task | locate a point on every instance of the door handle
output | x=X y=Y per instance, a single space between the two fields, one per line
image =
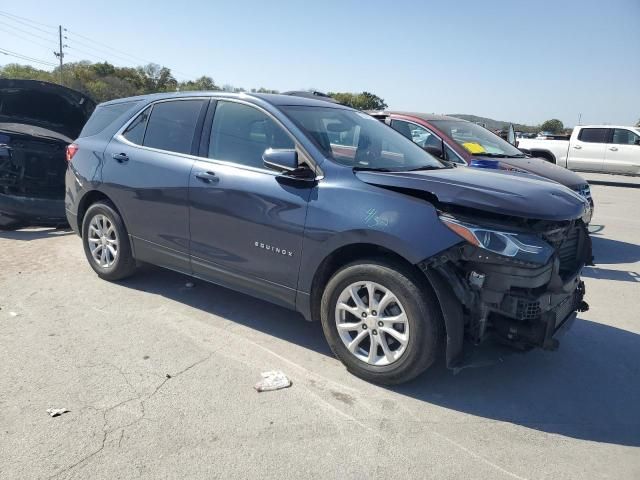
x=577 y=147
x=614 y=149
x=207 y=177
x=120 y=157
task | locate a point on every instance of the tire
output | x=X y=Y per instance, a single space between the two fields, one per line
x=103 y=229
x=422 y=329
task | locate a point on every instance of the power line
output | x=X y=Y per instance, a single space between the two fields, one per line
x=7 y=14
x=101 y=49
x=26 y=32
x=48 y=47
x=25 y=57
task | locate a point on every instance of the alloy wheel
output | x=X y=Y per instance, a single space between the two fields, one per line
x=372 y=323
x=103 y=241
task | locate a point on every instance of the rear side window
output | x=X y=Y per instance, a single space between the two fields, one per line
x=135 y=131
x=172 y=125
x=103 y=116
x=593 y=135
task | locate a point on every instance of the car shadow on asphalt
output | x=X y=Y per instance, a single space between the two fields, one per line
x=609 y=251
x=30 y=234
x=228 y=304
x=588 y=389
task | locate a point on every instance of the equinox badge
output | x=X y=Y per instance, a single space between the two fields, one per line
x=271 y=248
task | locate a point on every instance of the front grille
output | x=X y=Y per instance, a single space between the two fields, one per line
x=528 y=310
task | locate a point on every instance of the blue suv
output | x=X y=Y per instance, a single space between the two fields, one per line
x=325 y=210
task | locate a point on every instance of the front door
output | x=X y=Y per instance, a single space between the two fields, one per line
x=587 y=152
x=247 y=223
x=146 y=172
x=623 y=152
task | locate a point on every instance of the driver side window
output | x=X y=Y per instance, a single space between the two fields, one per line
x=240 y=134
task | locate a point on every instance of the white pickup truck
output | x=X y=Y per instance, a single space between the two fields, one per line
x=593 y=148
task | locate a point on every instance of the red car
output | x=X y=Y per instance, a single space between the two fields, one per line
x=466 y=143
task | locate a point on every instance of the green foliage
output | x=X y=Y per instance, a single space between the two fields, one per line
x=202 y=84
x=360 y=101
x=104 y=81
x=554 y=126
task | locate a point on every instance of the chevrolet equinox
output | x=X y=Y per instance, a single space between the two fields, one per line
x=327 y=211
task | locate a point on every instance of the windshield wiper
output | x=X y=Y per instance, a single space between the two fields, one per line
x=426 y=167
x=372 y=169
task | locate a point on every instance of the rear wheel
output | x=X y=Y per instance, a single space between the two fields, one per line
x=382 y=321
x=106 y=242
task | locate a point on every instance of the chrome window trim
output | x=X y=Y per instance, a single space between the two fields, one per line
x=301 y=150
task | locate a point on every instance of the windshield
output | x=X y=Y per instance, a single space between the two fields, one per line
x=476 y=139
x=358 y=140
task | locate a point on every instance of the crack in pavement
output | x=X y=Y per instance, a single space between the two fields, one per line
x=106 y=431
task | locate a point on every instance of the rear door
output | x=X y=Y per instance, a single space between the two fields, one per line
x=247 y=222
x=587 y=151
x=146 y=171
x=623 y=152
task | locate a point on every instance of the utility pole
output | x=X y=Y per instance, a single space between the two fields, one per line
x=60 y=53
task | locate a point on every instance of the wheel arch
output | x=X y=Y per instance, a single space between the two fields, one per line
x=545 y=154
x=88 y=199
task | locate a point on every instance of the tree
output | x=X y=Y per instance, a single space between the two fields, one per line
x=554 y=126
x=203 y=83
x=638 y=123
x=360 y=101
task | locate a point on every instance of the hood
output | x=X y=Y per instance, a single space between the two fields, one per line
x=44 y=105
x=504 y=193
x=537 y=166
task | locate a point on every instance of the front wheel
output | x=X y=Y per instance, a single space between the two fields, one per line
x=106 y=242
x=382 y=321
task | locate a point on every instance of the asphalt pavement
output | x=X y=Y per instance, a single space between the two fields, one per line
x=159 y=378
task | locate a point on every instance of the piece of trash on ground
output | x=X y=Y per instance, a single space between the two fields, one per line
x=54 y=412
x=273 y=380
x=13 y=314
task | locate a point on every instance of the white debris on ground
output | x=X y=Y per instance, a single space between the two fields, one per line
x=272 y=380
x=13 y=314
x=54 y=412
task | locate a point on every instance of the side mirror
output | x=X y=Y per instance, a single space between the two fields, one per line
x=435 y=151
x=280 y=159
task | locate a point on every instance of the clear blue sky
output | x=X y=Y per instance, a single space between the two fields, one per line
x=509 y=60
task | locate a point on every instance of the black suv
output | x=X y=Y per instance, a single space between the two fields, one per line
x=327 y=211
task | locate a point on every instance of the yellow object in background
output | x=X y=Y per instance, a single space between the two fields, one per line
x=474 y=147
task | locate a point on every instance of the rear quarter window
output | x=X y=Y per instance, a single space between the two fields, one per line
x=593 y=135
x=103 y=116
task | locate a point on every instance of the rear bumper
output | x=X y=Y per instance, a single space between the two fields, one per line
x=31 y=210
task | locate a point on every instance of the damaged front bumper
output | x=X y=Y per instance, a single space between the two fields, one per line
x=522 y=305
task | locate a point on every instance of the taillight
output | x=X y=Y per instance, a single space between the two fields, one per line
x=71 y=151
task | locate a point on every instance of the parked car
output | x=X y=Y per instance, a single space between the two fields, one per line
x=466 y=143
x=593 y=148
x=37 y=122
x=398 y=255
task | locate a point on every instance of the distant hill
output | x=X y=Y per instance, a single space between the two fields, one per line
x=492 y=124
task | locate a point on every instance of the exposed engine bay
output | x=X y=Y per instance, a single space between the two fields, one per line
x=37 y=121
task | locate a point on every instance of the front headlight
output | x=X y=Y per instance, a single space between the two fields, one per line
x=520 y=246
